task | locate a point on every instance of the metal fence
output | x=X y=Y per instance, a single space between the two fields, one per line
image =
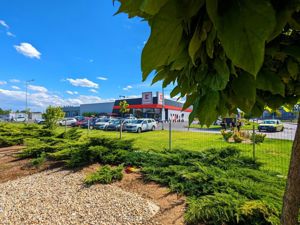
x=273 y=152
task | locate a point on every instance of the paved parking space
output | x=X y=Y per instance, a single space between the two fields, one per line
x=288 y=133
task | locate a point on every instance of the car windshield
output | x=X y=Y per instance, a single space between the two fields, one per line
x=137 y=121
x=115 y=121
x=103 y=120
x=269 y=122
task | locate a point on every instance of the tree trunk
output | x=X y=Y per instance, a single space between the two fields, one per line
x=291 y=200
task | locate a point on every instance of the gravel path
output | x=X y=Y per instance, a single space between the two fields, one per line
x=59 y=197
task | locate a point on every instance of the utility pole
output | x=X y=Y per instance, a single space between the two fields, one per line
x=163 y=114
x=26 y=97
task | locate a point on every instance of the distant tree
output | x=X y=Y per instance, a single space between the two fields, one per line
x=4 y=112
x=89 y=114
x=124 y=107
x=52 y=116
x=224 y=56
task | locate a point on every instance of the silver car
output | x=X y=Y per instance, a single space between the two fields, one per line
x=67 y=122
x=141 y=125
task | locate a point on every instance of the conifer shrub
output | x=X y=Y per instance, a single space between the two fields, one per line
x=105 y=175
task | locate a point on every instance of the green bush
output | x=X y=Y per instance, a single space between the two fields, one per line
x=105 y=175
x=6 y=141
x=72 y=134
x=39 y=161
x=237 y=138
x=226 y=134
x=258 y=138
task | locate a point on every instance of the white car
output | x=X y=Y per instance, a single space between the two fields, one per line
x=20 y=119
x=67 y=122
x=141 y=125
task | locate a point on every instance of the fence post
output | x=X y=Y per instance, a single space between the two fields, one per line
x=121 y=124
x=253 y=140
x=88 y=127
x=170 y=135
x=65 y=126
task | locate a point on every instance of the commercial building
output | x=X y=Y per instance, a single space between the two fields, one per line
x=148 y=106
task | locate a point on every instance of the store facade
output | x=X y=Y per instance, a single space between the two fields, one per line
x=148 y=106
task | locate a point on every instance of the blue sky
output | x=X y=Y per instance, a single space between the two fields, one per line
x=76 y=52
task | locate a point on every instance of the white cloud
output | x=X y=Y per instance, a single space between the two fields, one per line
x=4 y=24
x=72 y=92
x=127 y=88
x=3 y=82
x=102 y=78
x=93 y=91
x=37 y=88
x=83 y=83
x=28 y=50
x=10 y=34
x=15 y=87
x=14 y=81
x=41 y=100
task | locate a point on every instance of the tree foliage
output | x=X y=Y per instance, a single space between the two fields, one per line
x=4 y=112
x=52 y=116
x=124 y=107
x=223 y=55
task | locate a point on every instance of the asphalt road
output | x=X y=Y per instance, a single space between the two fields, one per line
x=288 y=133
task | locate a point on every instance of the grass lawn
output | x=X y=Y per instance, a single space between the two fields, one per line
x=274 y=154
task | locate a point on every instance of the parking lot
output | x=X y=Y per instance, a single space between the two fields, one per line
x=287 y=134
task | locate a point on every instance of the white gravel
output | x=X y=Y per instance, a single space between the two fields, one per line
x=59 y=197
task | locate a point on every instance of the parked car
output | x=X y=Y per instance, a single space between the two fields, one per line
x=80 y=121
x=141 y=125
x=271 y=126
x=101 y=124
x=90 y=122
x=20 y=119
x=115 y=125
x=67 y=122
x=40 y=121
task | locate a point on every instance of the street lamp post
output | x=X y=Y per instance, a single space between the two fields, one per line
x=26 y=97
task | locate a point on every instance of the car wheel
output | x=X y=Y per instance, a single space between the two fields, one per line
x=139 y=130
x=153 y=128
x=282 y=128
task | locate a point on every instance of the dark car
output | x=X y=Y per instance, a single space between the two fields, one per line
x=90 y=122
x=115 y=125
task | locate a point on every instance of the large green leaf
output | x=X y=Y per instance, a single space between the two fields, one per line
x=210 y=43
x=195 y=44
x=207 y=108
x=166 y=32
x=270 y=81
x=244 y=90
x=293 y=68
x=152 y=7
x=243 y=26
x=219 y=79
x=131 y=7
